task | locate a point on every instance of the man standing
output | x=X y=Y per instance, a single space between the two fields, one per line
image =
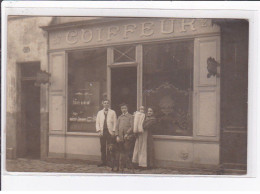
x=105 y=126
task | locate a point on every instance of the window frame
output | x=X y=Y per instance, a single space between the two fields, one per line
x=77 y=133
x=193 y=101
x=195 y=104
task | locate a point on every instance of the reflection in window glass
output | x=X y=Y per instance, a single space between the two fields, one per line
x=168 y=86
x=86 y=88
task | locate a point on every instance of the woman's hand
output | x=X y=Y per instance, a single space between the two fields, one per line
x=117 y=139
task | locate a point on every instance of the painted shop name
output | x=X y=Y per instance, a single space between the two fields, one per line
x=131 y=31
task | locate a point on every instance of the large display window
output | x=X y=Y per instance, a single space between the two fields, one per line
x=168 y=86
x=87 y=86
x=167 y=79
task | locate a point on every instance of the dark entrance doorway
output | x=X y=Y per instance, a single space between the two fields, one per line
x=29 y=137
x=124 y=88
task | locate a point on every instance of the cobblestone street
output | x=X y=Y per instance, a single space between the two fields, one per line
x=81 y=166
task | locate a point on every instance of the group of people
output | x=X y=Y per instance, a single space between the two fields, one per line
x=128 y=136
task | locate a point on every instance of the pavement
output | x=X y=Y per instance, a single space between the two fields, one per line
x=82 y=166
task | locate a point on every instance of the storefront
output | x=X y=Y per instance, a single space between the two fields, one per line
x=155 y=62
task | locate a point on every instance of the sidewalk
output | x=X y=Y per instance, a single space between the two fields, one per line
x=81 y=166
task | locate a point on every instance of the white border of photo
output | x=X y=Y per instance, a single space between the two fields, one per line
x=83 y=181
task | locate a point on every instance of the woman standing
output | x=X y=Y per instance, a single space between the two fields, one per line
x=144 y=150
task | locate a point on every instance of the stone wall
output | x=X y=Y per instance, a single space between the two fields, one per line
x=26 y=42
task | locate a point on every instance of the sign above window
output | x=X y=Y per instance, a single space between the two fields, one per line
x=135 y=30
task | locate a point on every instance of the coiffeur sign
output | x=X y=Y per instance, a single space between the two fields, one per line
x=129 y=31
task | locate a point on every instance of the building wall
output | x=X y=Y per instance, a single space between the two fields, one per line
x=27 y=42
x=234 y=92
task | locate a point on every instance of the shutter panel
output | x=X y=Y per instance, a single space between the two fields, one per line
x=57 y=92
x=206 y=90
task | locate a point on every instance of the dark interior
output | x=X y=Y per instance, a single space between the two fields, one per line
x=124 y=88
x=30 y=111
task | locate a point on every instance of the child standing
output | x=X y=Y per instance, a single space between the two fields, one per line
x=124 y=136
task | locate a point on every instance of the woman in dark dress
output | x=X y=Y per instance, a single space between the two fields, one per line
x=148 y=126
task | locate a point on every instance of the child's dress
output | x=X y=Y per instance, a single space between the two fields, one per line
x=138 y=122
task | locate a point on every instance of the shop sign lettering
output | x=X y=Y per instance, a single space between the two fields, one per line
x=139 y=30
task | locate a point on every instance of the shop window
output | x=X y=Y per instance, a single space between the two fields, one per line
x=86 y=88
x=168 y=86
x=124 y=54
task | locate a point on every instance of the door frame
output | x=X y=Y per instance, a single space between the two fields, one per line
x=19 y=123
x=137 y=63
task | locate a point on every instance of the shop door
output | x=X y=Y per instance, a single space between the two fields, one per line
x=30 y=112
x=124 y=88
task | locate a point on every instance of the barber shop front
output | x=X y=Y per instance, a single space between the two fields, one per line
x=154 y=62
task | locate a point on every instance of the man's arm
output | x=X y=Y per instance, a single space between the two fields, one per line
x=117 y=127
x=114 y=121
x=97 y=122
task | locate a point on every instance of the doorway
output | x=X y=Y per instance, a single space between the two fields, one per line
x=124 y=88
x=29 y=136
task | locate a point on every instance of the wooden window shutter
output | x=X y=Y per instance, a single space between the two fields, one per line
x=206 y=89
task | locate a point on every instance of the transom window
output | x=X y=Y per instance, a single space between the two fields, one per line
x=124 y=54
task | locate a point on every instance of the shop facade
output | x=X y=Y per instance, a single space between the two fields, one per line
x=157 y=62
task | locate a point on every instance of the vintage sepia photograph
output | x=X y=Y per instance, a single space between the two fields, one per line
x=127 y=95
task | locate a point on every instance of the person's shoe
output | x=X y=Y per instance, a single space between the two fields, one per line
x=101 y=164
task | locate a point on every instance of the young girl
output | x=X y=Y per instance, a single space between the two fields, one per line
x=138 y=120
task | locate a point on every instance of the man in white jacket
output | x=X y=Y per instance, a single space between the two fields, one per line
x=105 y=126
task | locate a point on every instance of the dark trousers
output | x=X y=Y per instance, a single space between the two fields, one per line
x=104 y=141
